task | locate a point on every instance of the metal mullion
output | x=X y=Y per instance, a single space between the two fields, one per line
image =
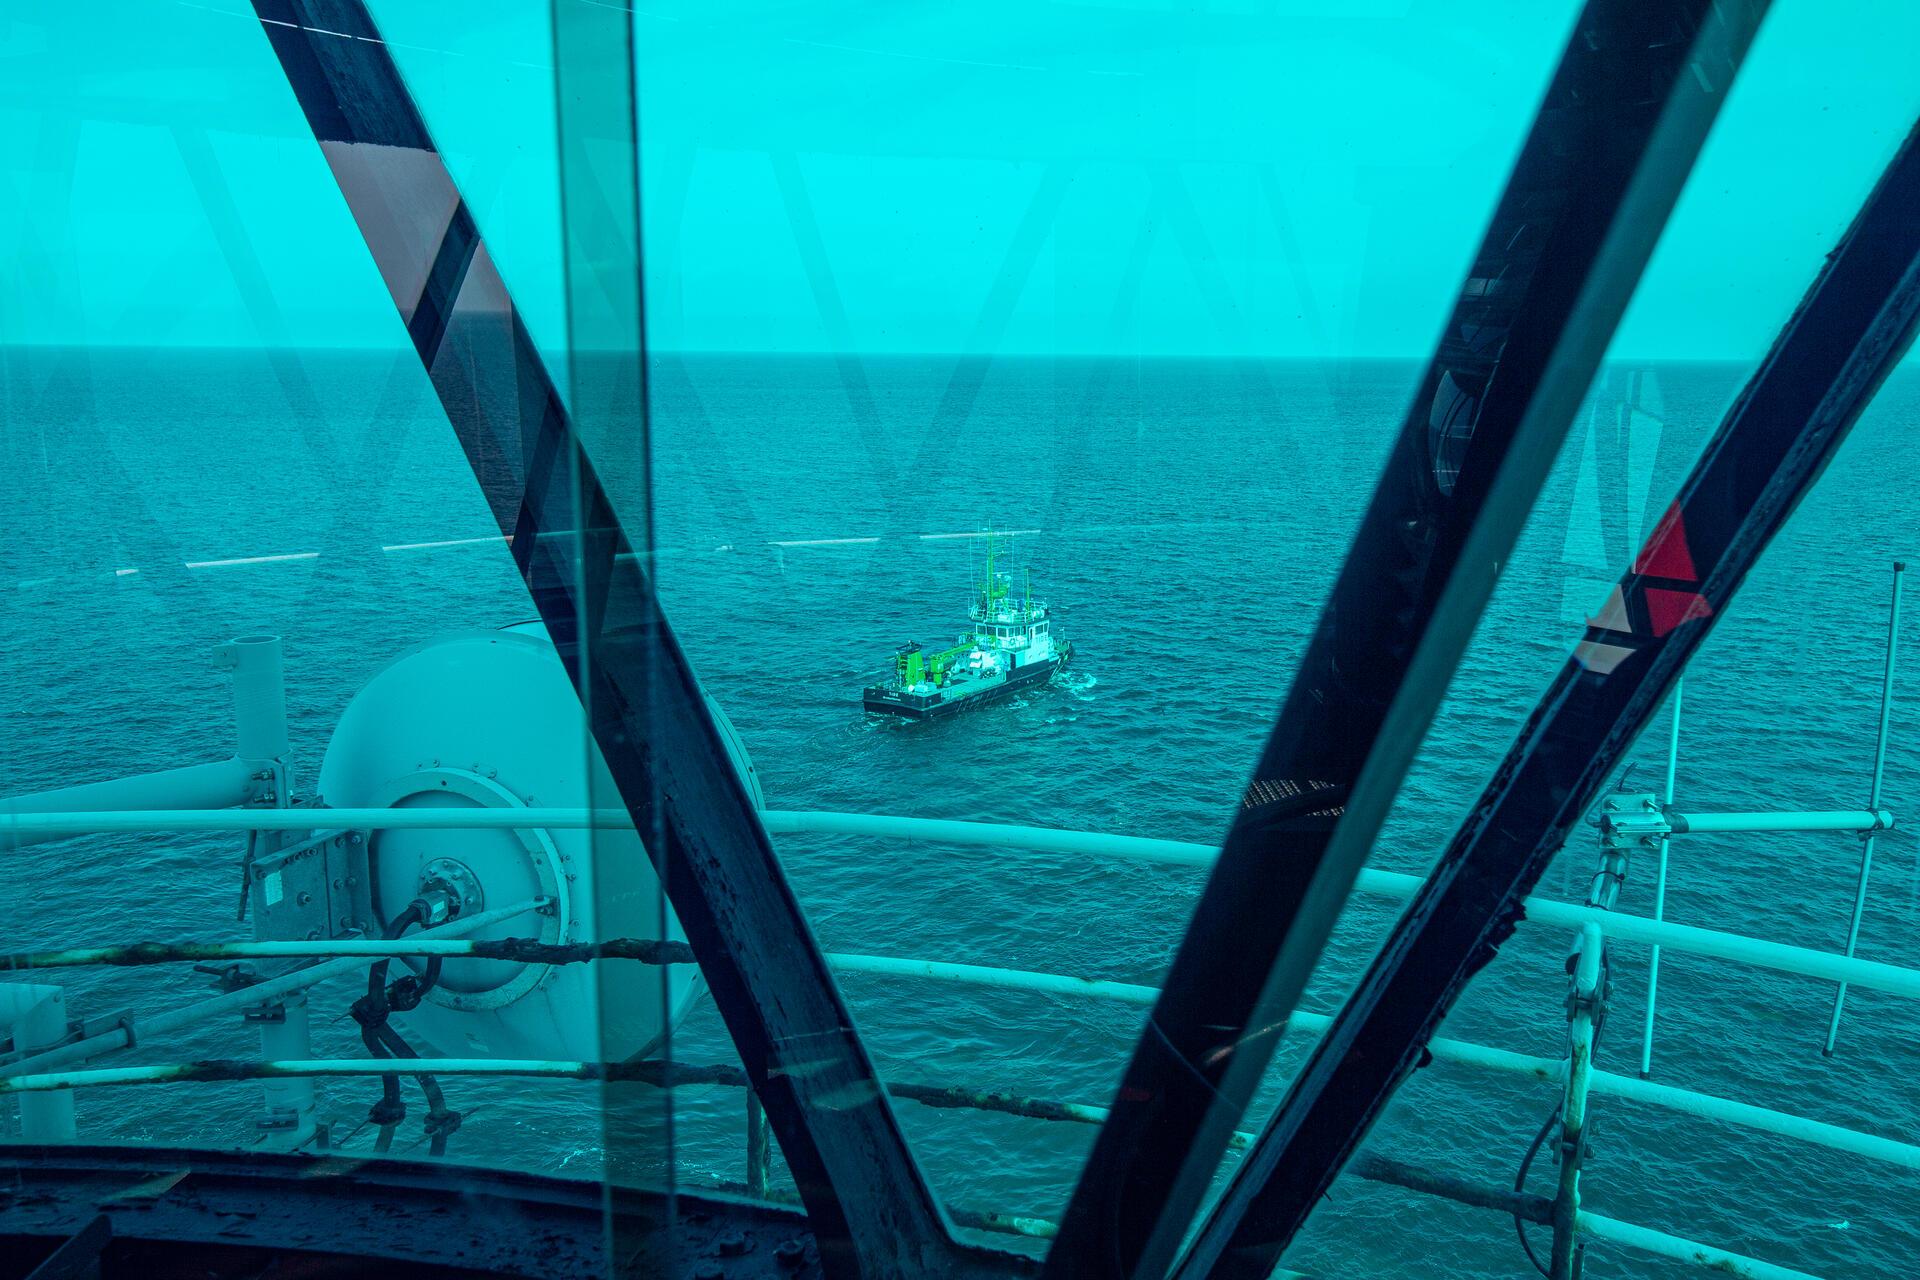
x=1623 y=118
x=868 y=1204
x=1852 y=327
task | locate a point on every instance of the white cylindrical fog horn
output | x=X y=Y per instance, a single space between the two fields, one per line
x=490 y=720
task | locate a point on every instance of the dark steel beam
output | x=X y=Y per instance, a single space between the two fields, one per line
x=869 y=1205
x=1624 y=115
x=1849 y=331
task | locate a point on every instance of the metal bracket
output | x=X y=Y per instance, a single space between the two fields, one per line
x=310 y=888
x=1633 y=820
x=269 y=784
x=229 y=978
x=264 y=844
x=1590 y=1002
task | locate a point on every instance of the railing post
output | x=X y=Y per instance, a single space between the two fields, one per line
x=1583 y=1005
x=288 y=1121
x=258 y=667
x=1660 y=889
x=759 y=1154
x=1873 y=798
x=35 y=1015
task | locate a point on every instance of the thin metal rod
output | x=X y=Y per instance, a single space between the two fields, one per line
x=522 y=950
x=302 y=1068
x=131 y=1029
x=1871 y=1146
x=1726 y=946
x=1661 y=1244
x=1458 y=1052
x=1622 y=928
x=27 y=825
x=1370 y=1168
x=1732 y=946
x=991 y=835
x=1660 y=886
x=1573 y=1111
x=95 y=806
x=1851 y=329
x=1904 y=1155
x=1784 y=957
x=1790 y=820
x=984 y=975
x=1873 y=797
x=38 y=821
x=1374 y=1168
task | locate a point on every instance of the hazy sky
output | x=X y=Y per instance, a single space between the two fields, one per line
x=1292 y=178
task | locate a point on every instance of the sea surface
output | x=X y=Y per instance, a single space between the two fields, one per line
x=1184 y=519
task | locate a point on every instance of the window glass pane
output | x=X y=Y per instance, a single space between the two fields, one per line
x=1779 y=714
x=215 y=426
x=1144 y=292
x=1014 y=380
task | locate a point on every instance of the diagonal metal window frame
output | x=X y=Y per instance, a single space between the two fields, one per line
x=1849 y=331
x=867 y=1201
x=1623 y=118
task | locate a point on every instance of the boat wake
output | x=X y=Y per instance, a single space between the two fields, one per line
x=1080 y=684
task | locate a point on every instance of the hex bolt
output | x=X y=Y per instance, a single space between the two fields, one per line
x=791 y=1253
x=303 y=898
x=733 y=1244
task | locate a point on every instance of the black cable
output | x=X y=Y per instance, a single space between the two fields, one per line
x=371 y=1012
x=442 y=1120
x=391 y=1109
x=1520 y=1185
x=383 y=1041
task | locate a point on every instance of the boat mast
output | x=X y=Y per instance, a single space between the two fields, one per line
x=987 y=587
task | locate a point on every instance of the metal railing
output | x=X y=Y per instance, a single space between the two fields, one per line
x=37 y=1072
